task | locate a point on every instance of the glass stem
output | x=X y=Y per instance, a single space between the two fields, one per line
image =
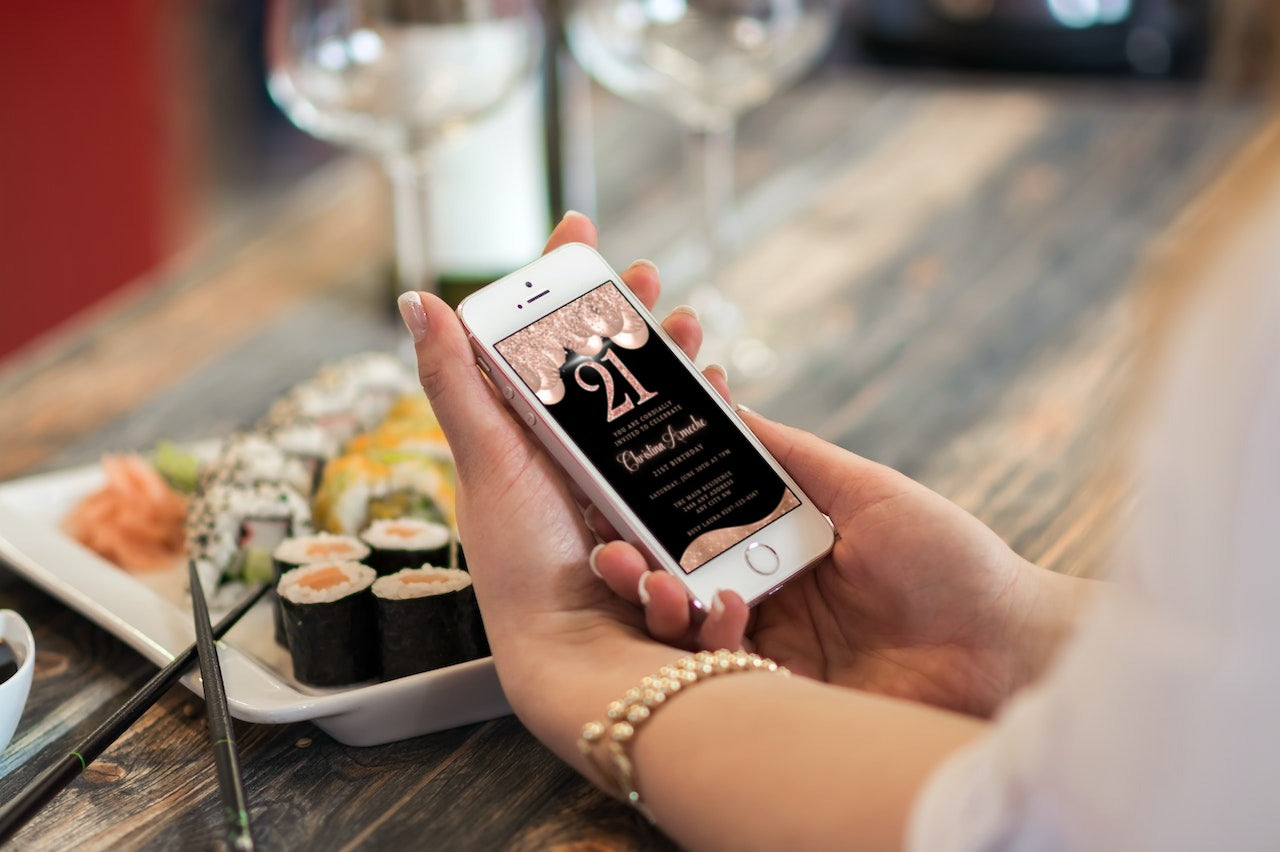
x=711 y=163
x=412 y=220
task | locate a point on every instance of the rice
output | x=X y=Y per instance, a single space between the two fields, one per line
x=410 y=583
x=251 y=458
x=215 y=523
x=324 y=582
x=406 y=534
x=323 y=546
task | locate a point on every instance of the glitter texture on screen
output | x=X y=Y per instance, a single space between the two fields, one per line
x=538 y=351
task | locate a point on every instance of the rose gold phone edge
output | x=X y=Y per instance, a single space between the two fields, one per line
x=811 y=525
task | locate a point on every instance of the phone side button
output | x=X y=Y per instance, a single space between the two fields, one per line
x=508 y=391
x=530 y=419
x=761 y=558
x=484 y=368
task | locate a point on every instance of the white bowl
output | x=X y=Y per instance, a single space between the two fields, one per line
x=13 y=692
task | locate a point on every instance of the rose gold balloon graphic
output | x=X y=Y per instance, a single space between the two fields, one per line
x=539 y=351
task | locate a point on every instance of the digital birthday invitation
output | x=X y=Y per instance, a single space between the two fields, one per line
x=647 y=425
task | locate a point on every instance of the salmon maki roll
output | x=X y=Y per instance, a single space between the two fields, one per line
x=330 y=622
x=306 y=550
x=427 y=619
x=406 y=543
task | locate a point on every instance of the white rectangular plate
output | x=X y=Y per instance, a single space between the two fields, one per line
x=152 y=614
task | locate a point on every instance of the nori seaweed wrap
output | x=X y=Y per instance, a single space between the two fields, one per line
x=427 y=619
x=406 y=543
x=458 y=557
x=308 y=550
x=330 y=622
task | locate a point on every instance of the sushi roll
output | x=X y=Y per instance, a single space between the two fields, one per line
x=328 y=405
x=307 y=549
x=306 y=442
x=331 y=623
x=250 y=458
x=372 y=381
x=359 y=488
x=427 y=619
x=411 y=427
x=322 y=547
x=406 y=543
x=228 y=520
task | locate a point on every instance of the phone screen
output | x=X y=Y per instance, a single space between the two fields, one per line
x=648 y=426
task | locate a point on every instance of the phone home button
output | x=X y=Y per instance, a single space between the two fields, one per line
x=761 y=558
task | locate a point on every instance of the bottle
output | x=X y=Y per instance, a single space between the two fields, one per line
x=488 y=199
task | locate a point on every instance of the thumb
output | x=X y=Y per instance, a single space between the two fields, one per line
x=838 y=481
x=471 y=416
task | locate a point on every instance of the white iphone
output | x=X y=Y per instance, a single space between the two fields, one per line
x=638 y=428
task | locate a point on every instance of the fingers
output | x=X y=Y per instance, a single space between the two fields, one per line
x=718 y=376
x=642 y=277
x=573 y=228
x=726 y=623
x=666 y=606
x=472 y=418
x=666 y=603
x=626 y=572
x=840 y=483
x=827 y=473
x=599 y=524
x=621 y=566
x=682 y=326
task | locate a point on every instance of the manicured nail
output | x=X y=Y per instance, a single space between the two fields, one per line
x=723 y=370
x=650 y=265
x=591 y=560
x=742 y=409
x=687 y=310
x=642 y=591
x=717 y=603
x=413 y=313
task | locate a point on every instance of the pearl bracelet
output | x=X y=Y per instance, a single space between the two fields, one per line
x=627 y=714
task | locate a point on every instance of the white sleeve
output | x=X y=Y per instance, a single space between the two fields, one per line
x=1159 y=725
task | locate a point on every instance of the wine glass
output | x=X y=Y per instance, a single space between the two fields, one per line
x=705 y=62
x=390 y=77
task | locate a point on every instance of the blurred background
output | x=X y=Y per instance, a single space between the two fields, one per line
x=139 y=137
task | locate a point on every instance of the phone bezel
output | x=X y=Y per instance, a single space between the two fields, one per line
x=800 y=538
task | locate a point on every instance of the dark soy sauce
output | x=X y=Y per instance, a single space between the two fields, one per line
x=9 y=661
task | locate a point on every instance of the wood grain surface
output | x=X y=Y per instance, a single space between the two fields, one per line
x=942 y=269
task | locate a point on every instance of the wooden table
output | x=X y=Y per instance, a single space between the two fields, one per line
x=943 y=268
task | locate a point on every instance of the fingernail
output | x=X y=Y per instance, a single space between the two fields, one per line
x=717 y=603
x=687 y=310
x=413 y=313
x=742 y=409
x=591 y=560
x=723 y=370
x=642 y=591
x=569 y=213
x=649 y=264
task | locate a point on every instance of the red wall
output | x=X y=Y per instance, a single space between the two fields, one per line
x=88 y=160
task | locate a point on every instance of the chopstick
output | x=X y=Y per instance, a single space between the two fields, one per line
x=235 y=807
x=49 y=783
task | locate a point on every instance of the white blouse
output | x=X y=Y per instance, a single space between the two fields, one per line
x=1158 y=727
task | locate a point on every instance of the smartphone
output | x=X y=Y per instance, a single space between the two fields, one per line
x=639 y=429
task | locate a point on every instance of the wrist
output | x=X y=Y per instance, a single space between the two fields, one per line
x=559 y=679
x=1049 y=608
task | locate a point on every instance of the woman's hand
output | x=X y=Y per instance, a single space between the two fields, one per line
x=527 y=544
x=918 y=599
x=565 y=644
